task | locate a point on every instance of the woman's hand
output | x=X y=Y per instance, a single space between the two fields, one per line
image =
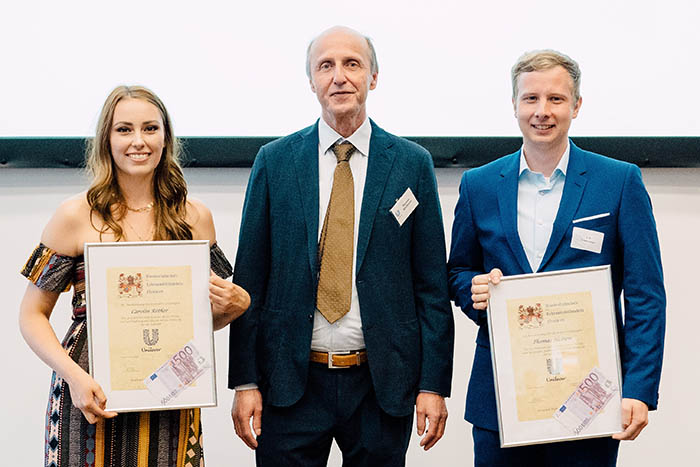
x=228 y=301
x=35 y=311
x=88 y=397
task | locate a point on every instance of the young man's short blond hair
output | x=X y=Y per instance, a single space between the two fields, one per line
x=539 y=60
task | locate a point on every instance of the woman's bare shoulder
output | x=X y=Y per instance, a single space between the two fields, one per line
x=66 y=229
x=199 y=217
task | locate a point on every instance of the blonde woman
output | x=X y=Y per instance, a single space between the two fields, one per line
x=138 y=193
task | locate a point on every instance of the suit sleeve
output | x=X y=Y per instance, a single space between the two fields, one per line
x=642 y=340
x=466 y=258
x=251 y=271
x=430 y=288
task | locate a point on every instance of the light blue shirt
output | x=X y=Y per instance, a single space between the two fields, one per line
x=538 y=203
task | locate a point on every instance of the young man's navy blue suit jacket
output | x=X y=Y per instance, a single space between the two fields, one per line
x=401 y=274
x=485 y=236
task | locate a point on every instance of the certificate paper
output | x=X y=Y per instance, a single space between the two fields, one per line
x=150 y=316
x=550 y=332
x=147 y=305
x=553 y=346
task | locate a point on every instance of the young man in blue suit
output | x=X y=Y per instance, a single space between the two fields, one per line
x=350 y=323
x=517 y=215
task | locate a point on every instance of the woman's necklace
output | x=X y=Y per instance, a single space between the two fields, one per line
x=122 y=201
x=149 y=236
x=146 y=208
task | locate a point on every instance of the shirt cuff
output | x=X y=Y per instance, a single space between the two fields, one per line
x=246 y=387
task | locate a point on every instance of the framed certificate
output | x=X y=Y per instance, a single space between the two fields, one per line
x=555 y=356
x=150 y=333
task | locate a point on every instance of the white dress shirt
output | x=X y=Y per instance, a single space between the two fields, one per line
x=538 y=204
x=346 y=333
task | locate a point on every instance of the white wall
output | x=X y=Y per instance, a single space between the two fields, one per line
x=29 y=196
x=237 y=67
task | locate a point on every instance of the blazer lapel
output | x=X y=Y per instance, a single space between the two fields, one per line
x=571 y=198
x=305 y=154
x=378 y=167
x=508 y=206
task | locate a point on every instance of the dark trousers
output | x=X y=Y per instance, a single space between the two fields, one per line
x=594 y=452
x=341 y=405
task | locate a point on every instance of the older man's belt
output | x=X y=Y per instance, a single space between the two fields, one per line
x=344 y=359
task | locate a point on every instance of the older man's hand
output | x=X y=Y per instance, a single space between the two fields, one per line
x=247 y=404
x=430 y=408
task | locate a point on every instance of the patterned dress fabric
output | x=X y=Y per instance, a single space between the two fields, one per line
x=168 y=438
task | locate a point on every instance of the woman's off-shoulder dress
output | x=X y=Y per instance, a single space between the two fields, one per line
x=167 y=438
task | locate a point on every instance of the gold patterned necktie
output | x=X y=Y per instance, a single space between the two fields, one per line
x=336 y=243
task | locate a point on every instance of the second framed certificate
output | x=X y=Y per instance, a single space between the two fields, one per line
x=150 y=332
x=555 y=356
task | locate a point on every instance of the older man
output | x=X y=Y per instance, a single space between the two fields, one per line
x=341 y=248
x=519 y=214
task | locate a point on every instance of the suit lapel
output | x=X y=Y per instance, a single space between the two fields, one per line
x=305 y=154
x=508 y=206
x=571 y=198
x=379 y=163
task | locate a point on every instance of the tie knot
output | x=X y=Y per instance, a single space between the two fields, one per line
x=343 y=151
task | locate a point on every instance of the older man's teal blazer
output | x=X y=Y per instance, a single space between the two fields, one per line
x=485 y=236
x=401 y=274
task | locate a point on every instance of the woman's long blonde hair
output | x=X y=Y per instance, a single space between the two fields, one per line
x=169 y=186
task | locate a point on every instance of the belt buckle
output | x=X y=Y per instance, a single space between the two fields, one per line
x=330 y=359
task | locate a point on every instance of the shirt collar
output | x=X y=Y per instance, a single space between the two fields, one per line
x=327 y=137
x=561 y=166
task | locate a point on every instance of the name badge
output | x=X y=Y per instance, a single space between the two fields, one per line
x=404 y=206
x=588 y=240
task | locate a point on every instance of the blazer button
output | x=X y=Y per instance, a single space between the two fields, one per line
x=311 y=317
